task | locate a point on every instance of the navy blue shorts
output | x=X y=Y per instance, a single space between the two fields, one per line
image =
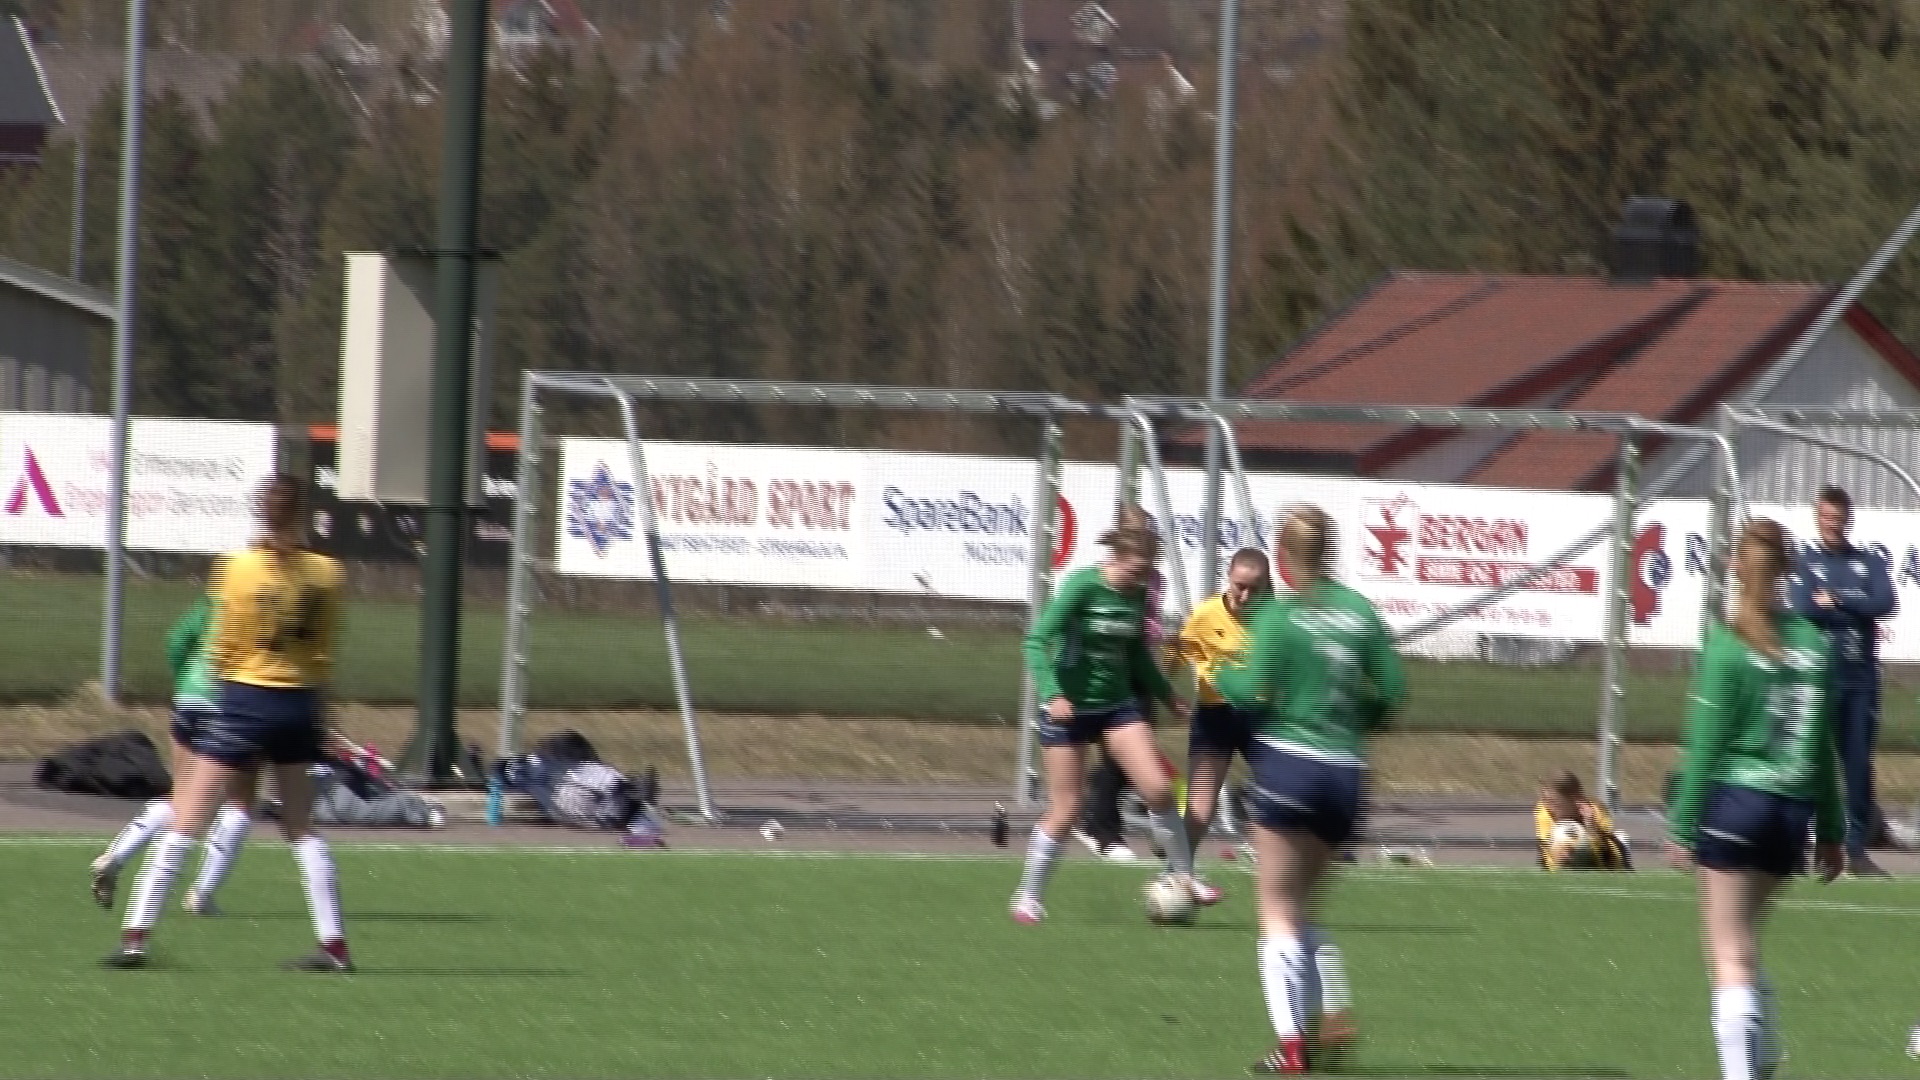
x=1295 y=792
x=186 y=721
x=259 y=725
x=1220 y=728
x=1088 y=726
x=1744 y=829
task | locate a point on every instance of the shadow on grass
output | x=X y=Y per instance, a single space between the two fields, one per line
x=1502 y=1071
x=352 y=917
x=467 y=972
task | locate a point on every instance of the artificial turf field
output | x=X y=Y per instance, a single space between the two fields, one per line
x=597 y=962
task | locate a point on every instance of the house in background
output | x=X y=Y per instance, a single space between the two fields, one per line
x=1073 y=48
x=48 y=327
x=1665 y=348
x=27 y=109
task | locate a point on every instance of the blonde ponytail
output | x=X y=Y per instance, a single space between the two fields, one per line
x=1759 y=561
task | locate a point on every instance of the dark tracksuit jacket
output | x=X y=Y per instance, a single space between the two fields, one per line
x=1862 y=589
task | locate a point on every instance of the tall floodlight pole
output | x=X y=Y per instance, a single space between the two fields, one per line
x=123 y=328
x=1222 y=259
x=76 y=267
x=431 y=754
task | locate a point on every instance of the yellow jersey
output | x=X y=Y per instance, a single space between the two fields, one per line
x=1608 y=850
x=1211 y=636
x=275 y=618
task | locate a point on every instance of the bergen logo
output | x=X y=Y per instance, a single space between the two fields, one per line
x=1389 y=527
x=1063 y=534
x=1652 y=571
x=34 y=479
x=600 y=510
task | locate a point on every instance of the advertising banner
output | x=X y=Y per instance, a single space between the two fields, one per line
x=190 y=486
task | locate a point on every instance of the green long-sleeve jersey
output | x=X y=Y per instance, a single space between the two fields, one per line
x=1759 y=723
x=189 y=659
x=1321 y=671
x=1089 y=645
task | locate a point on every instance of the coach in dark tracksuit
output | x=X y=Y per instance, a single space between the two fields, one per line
x=1846 y=590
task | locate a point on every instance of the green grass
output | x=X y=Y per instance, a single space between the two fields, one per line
x=610 y=661
x=602 y=963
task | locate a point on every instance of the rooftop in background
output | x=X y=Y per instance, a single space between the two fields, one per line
x=1666 y=349
x=27 y=107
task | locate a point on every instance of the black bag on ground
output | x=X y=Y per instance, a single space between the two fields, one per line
x=564 y=749
x=125 y=765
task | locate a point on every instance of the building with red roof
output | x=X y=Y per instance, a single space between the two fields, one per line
x=1664 y=348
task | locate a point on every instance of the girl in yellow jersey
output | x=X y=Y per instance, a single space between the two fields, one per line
x=276 y=613
x=1214 y=634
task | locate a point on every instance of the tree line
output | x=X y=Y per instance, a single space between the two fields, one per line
x=871 y=201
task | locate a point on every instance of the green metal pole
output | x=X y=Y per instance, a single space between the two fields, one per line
x=431 y=755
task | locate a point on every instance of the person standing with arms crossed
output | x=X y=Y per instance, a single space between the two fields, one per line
x=1845 y=591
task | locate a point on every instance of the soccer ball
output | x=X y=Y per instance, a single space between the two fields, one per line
x=1572 y=846
x=1169 y=902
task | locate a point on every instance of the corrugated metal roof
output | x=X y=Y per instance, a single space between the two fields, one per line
x=58 y=289
x=24 y=98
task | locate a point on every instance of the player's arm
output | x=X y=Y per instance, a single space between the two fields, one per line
x=1543 y=834
x=1874 y=599
x=1250 y=681
x=1146 y=670
x=187 y=634
x=1043 y=641
x=1387 y=675
x=1711 y=713
x=234 y=631
x=326 y=630
x=1829 y=808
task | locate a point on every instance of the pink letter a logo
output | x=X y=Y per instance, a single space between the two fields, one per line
x=36 y=480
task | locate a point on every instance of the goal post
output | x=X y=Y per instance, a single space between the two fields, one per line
x=630 y=508
x=1617 y=531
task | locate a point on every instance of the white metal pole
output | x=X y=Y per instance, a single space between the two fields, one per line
x=1620 y=571
x=670 y=621
x=513 y=663
x=1046 y=497
x=1217 y=303
x=123 y=331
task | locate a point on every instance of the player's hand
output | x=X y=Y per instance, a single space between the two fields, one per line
x=1060 y=709
x=1823 y=598
x=1828 y=861
x=1181 y=707
x=1678 y=857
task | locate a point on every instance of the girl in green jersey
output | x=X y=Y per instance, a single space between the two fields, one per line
x=1090 y=662
x=1321 y=674
x=1759 y=769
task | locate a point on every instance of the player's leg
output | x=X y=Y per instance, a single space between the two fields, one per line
x=1289 y=867
x=1130 y=740
x=197 y=793
x=153 y=819
x=1064 y=761
x=1208 y=756
x=230 y=828
x=1731 y=904
x=317 y=875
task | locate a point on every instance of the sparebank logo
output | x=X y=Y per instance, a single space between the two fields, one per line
x=600 y=509
x=33 y=484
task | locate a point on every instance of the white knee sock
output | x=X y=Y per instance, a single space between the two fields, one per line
x=1736 y=1028
x=323 y=887
x=229 y=831
x=157 y=816
x=1042 y=852
x=1284 y=968
x=156 y=880
x=1173 y=829
x=1336 y=996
